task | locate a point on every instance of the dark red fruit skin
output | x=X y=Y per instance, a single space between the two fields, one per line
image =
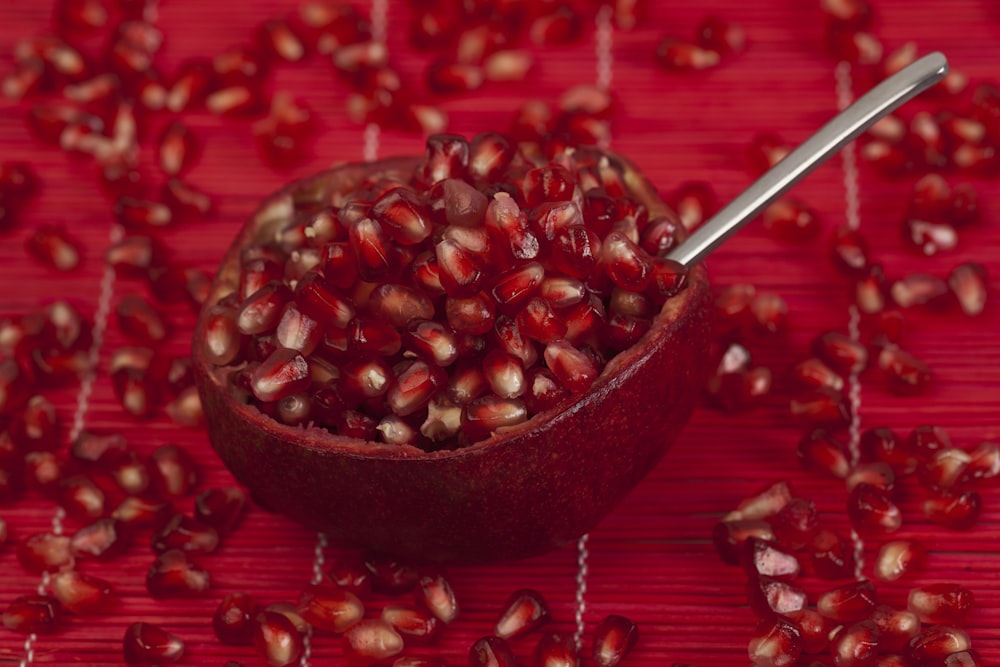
x=532 y=489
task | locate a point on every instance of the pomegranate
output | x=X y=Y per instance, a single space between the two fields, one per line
x=472 y=432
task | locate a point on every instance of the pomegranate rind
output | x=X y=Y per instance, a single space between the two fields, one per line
x=524 y=491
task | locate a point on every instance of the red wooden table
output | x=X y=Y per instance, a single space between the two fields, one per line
x=652 y=559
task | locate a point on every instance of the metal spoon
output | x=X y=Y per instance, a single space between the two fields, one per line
x=838 y=132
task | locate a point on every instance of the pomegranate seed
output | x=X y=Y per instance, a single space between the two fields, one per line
x=173 y=471
x=445 y=77
x=814 y=629
x=184 y=201
x=278 y=39
x=920 y=289
x=173 y=575
x=574 y=369
x=178 y=148
x=236 y=101
x=261 y=311
x=437 y=595
x=233 y=620
x=220 y=508
x=81 y=498
x=721 y=36
x=769 y=596
x=929 y=238
x=102 y=538
x=968 y=283
x=491 y=652
x=673 y=54
x=791 y=220
x=146 y=643
x=831 y=556
x=896 y=628
x=878 y=474
x=555 y=650
x=482 y=416
x=142 y=214
x=957 y=512
x=820 y=451
x=765 y=151
x=37 y=427
x=937 y=642
x=54 y=247
x=389 y=576
x=870 y=509
x=371 y=640
x=813 y=373
x=413 y=625
x=222 y=340
x=524 y=611
x=185 y=533
x=283 y=373
x=329 y=608
x=849 y=602
x=32 y=614
x=614 y=638
x=141 y=513
x=856 y=644
x=941 y=604
x=905 y=374
x=884 y=445
x=841 y=352
x=82 y=594
x=276 y=639
x=944 y=468
x=849 y=251
x=729 y=536
x=45 y=552
x=775 y=643
x=984 y=464
x=762 y=505
x=766 y=559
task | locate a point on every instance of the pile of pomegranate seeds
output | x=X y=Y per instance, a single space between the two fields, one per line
x=434 y=307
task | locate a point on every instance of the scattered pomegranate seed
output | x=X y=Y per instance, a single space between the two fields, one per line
x=146 y=644
x=849 y=602
x=82 y=594
x=613 y=639
x=173 y=575
x=53 y=246
x=905 y=374
x=938 y=642
x=233 y=620
x=729 y=536
x=524 y=611
x=871 y=510
x=820 y=451
x=371 y=640
x=941 y=604
x=677 y=55
x=491 y=652
x=831 y=555
x=45 y=552
x=968 y=283
x=329 y=608
x=31 y=614
x=775 y=643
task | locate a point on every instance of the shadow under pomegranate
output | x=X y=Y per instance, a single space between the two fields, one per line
x=508 y=491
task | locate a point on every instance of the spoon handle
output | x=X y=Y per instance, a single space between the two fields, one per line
x=839 y=131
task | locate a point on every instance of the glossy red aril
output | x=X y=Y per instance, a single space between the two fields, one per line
x=762 y=558
x=172 y=574
x=330 y=609
x=185 y=533
x=856 y=644
x=871 y=510
x=673 y=54
x=821 y=451
x=768 y=596
x=149 y=644
x=276 y=639
x=905 y=374
x=968 y=283
x=172 y=471
x=955 y=511
x=524 y=611
x=613 y=639
x=775 y=643
x=438 y=597
x=83 y=594
x=849 y=602
x=32 y=614
x=941 y=603
x=728 y=537
x=831 y=556
x=45 y=552
x=371 y=640
x=938 y=642
x=491 y=652
x=55 y=247
x=221 y=508
x=233 y=620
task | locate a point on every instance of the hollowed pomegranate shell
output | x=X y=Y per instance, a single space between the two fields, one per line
x=532 y=488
